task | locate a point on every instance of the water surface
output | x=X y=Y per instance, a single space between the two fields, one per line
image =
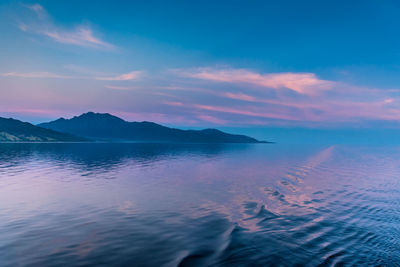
x=199 y=205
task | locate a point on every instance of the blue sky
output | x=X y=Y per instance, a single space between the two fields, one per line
x=245 y=64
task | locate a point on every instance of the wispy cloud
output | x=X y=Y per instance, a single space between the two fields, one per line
x=23 y=27
x=261 y=97
x=123 y=77
x=121 y=88
x=302 y=83
x=232 y=110
x=286 y=102
x=44 y=74
x=197 y=101
x=35 y=75
x=326 y=108
x=212 y=119
x=81 y=35
x=174 y=103
x=246 y=112
x=241 y=96
x=38 y=9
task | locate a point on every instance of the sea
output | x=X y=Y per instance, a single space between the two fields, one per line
x=143 y=204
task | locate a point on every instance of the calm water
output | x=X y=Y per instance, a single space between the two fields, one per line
x=198 y=205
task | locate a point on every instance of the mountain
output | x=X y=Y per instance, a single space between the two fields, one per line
x=99 y=126
x=17 y=131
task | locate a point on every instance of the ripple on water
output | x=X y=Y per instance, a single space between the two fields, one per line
x=193 y=206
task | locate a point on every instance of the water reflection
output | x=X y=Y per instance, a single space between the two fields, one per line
x=202 y=205
x=92 y=158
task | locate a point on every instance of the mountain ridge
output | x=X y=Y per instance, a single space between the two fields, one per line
x=107 y=127
x=12 y=130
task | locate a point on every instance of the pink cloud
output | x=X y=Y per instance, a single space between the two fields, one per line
x=211 y=119
x=43 y=74
x=123 y=77
x=241 y=96
x=175 y=104
x=302 y=83
x=31 y=110
x=349 y=110
x=120 y=88
x=310 y=109
x=237 y=111
x=286 y=102
x=241 y=111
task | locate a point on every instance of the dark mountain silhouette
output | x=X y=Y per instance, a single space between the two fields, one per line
x=97 y=126
x=17 y=131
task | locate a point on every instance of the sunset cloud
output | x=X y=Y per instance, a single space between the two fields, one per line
x=286 y=102
x=212 y=119
x=231 y=110
x=133 y=75
x=208 y=102
x=35 y=75
x=246 y=112
x=44 y=74
x=302 y=83
x=345 y=104
x=241 y=96
x=121 y=88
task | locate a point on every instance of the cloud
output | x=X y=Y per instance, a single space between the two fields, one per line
x=232 y=110
x=326 y=109
x=241 y=96
x=38 y=9
x=80 y=36
x=121 y=88
x=174 y=103
x=212 y=119
x=302 y=83
x=35 y=75
x=133 y=75
x=254 y=99
x=246 y=112
x=318 y=102
x=44 y=74
x=23 y=27
x=202 y=102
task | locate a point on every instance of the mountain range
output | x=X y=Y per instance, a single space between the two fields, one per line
x=106 y=127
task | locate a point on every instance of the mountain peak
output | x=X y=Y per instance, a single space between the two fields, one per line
x=97 y=116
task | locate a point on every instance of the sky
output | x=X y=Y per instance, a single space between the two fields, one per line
x=225 y=64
